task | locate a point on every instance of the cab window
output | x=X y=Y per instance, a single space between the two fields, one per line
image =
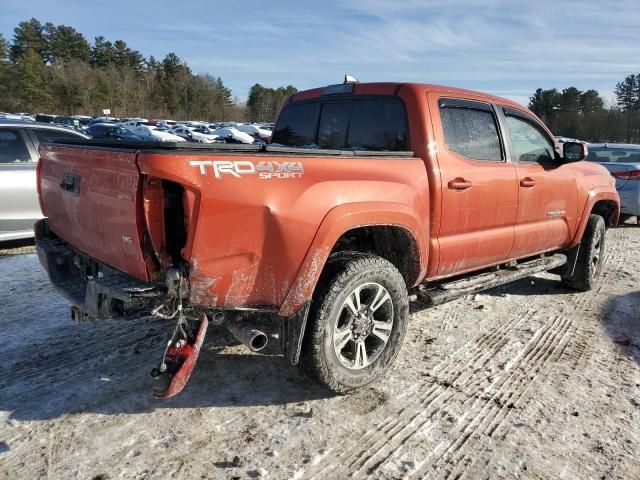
x=530 y=144
x=368 y=123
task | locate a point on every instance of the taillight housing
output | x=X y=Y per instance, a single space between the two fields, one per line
x=628 y=175
x=38 y=187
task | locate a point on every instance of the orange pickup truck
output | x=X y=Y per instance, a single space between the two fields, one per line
x=310 y=247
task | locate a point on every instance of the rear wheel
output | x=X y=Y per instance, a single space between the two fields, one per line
x=590 y=256
x=357 y=322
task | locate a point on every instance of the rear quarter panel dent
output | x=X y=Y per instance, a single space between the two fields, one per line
x=340 y=220
x=251 y=237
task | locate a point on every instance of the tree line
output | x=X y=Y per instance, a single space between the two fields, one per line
x=47 y=68
x=584 y=115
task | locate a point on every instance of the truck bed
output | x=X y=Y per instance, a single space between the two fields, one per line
x=240 y=219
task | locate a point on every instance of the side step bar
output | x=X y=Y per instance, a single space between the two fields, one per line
x=446 y=291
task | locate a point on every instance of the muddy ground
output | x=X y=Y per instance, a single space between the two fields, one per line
x=528 y=381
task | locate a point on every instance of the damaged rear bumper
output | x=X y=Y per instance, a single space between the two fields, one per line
x=100 y=292
x=96 y=290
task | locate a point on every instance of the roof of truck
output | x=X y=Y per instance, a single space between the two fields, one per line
x=393 y=88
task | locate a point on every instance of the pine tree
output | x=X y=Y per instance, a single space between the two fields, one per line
x=591 y=102
x=65 y=43
x=628 y=93
x=34 y=88
x=545 y=103
x=52 y=68
x=28 y=35
x=102 y=52
x=4 y=50
x=6 y=78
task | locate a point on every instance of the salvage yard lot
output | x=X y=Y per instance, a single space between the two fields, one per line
x=529 y=380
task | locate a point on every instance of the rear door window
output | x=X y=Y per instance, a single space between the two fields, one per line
x=13 y=148
x=471 y=129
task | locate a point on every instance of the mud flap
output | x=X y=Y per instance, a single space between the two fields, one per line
x=180 y=361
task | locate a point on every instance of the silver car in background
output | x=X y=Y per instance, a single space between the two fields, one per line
x=19 y=204
x=623 y=161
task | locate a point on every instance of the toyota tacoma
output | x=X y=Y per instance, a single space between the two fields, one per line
x=310 y=247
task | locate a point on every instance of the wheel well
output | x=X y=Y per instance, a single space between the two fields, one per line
x=393 y=243
x=606 y=209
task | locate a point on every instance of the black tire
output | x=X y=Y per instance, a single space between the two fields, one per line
x=590 y=256
x=359 y=275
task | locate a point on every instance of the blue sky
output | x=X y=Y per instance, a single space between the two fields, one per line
x=508 y=48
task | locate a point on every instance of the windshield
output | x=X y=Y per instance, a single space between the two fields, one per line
x=614 y=155
x=366 y=123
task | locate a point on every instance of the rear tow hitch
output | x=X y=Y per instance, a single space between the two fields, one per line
x=179 y=356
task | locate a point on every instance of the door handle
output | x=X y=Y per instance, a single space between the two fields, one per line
x=459 y=184
x=71 y=184
x=527 y=182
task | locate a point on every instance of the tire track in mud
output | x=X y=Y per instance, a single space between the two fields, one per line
x=449 y=319
x=556 y=339
x=398 y=424
x=509 y=390
x=468 y=396
x=566 y=334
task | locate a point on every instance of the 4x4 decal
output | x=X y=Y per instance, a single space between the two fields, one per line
x=265 y=170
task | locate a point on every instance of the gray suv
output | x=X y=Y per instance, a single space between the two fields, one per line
x=19 y=141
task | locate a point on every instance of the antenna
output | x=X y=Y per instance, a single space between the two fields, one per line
x=350 y=79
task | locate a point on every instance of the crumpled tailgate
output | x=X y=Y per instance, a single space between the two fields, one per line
x=93 y=200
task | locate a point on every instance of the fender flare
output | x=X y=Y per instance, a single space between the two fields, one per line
x=336 y=222
x=595 y=195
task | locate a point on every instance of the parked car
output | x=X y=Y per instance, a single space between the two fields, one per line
x=162 y=123
x=623 y=161
x=19 y=141
x=110 y=130
x=45 y=118
x=83 y=120
x=256 y=131
x=149 y=132
x=68 y=122
x=17 y=116
x=194 y=134
x=233 y=135
x=104 y=120
x=310 y=249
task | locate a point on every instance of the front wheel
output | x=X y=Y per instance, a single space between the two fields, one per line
x=357 y=322
x=590 y=256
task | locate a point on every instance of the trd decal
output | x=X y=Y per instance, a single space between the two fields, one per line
x=556 y=213
x=265 y=170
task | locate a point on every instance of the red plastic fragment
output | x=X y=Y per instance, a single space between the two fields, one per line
x=190 y=354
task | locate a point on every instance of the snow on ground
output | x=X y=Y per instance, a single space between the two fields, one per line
x=528 y=381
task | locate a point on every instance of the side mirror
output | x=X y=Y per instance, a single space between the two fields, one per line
x=574 y=151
